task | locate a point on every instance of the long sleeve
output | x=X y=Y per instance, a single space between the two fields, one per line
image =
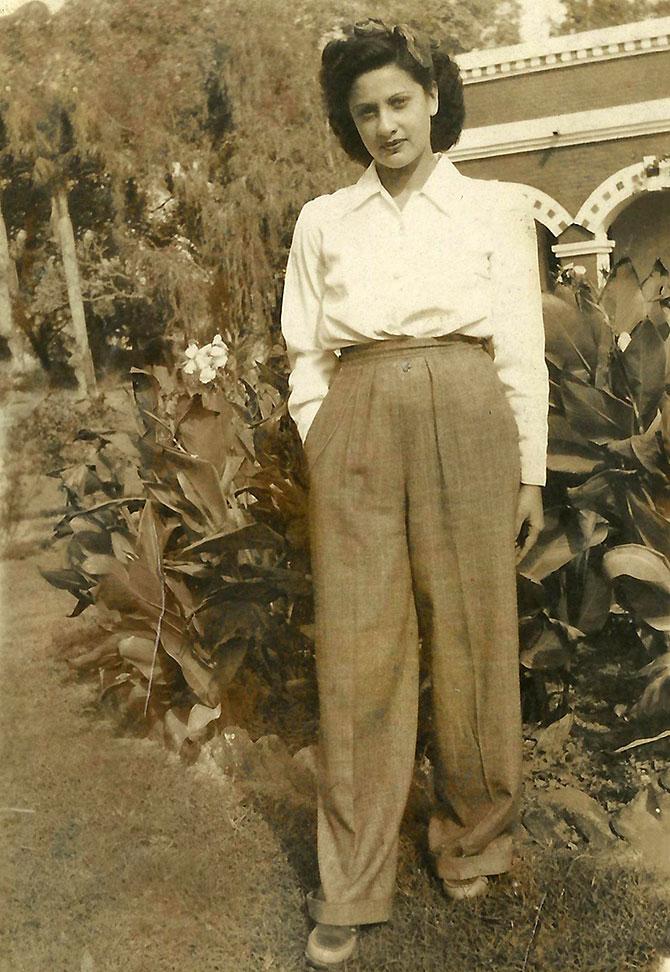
x=312 y=368
x=518 y=334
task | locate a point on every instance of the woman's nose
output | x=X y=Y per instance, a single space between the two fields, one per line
x=387 y=123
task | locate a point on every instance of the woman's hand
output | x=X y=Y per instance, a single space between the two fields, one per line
x=529 y=519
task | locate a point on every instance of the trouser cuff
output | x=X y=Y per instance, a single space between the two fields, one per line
x=494 y=860
x=366 y=911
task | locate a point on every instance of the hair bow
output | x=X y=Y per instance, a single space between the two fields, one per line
x=417 y=48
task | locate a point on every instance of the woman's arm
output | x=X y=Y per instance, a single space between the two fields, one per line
x=519 y=358
x=312 y=369
x=518 y=332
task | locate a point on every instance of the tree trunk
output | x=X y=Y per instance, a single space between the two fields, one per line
x=23 y=357
x=82 y=361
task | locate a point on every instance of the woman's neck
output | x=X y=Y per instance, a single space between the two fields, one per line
x=403 y=182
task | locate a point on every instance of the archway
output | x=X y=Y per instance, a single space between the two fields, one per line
x=554 y=219
x=641 y=231
x=600 y=210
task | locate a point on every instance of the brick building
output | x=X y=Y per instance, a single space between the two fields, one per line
x=584 y=122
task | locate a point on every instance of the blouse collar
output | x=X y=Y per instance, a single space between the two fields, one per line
x=445 y=186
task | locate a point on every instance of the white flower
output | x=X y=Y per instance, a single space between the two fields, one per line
x=205 y=360
x=623 y=340
x=207 y=374
x=219 y=355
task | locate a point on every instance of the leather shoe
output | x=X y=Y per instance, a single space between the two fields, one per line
x=469 y=888
x=329 y=945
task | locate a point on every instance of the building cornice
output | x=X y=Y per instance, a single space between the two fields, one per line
x=624 y=40
x=559 y=131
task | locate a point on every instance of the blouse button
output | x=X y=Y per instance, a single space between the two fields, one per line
x=406 y=365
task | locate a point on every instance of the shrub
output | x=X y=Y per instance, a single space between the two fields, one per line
x=189 y=536
x=604 y=556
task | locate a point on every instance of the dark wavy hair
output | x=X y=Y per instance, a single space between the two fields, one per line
x=371 y=44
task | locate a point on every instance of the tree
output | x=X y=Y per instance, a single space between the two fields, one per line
x=592 y=14
x=39 y=128
x=23 y=357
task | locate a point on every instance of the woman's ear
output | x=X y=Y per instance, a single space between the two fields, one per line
x=434 y=98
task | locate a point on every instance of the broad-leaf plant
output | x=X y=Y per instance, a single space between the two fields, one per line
x=604 y=555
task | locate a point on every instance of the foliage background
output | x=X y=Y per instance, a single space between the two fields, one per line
x=186 y=139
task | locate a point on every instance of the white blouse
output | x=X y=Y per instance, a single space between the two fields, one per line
x=460 y=256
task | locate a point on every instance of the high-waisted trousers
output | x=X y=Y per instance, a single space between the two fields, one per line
x=413 y=464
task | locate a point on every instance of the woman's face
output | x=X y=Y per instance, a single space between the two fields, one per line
x=392 y=113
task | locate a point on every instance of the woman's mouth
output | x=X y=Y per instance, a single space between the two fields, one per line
x=393 y=144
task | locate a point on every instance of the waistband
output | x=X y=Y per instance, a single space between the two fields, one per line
x=351 y=352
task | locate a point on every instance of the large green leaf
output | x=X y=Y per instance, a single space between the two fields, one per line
x=112 y=504
x=568 y=451
x=645 y=449
x=146 y=389
x=656 y=290
x=176 y=502
x=569 y=341
x=199 y=717
x=66 y=580
x=148 y=543
x=140 y=652
x=203 y=680
x=100 y=564
x=229 y=660
x=652 y=528
x=207 y=434
x=642 y=580
x=548 y=652
x=623 y=299
x=566 y=534
x=642 y=563
x=118 y=596
x=571 y=459
x=531 y=597
x=595 y=603
x=201 y=486
x=602 y=492
x=655 y=700
x=122 y=546
x=643 y=363
x=596 y=414
x=254 y=535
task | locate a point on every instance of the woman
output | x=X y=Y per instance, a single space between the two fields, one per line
x=412 y=319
